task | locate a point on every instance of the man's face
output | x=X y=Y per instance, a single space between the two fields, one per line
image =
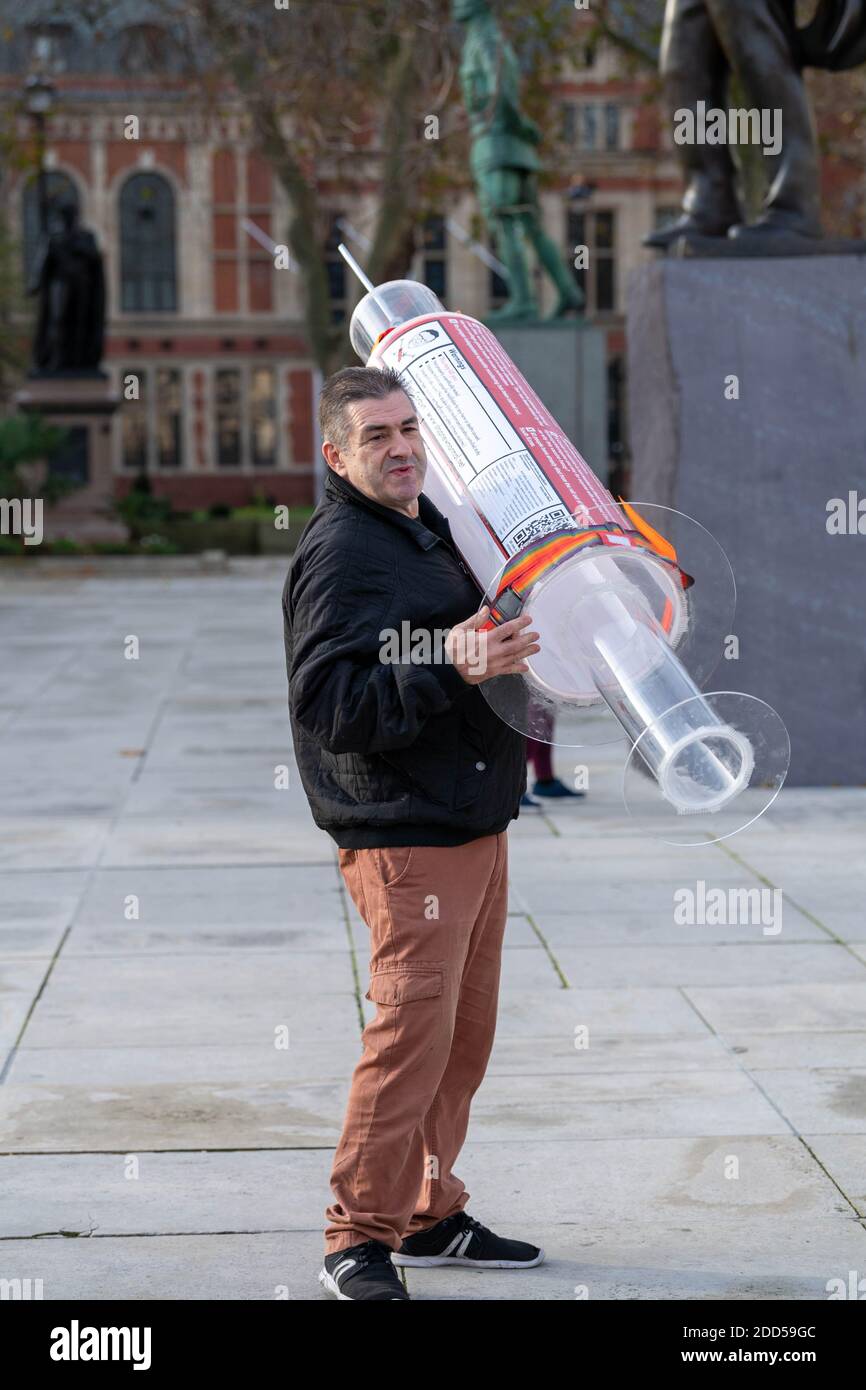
x=385 y=457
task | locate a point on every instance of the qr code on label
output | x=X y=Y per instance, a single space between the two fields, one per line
x=551 y=520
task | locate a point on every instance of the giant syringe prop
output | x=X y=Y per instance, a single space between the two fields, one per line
x=539 y=531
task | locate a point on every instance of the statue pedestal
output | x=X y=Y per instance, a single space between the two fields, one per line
x=760 y=471
x=566 y=364
x=83 y=405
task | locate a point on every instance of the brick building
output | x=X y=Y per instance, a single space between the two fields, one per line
x=199 y=315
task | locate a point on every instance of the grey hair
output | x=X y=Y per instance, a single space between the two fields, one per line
x=345 y=387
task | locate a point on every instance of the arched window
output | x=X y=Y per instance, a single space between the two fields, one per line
x=148 y=281
x=59 y=188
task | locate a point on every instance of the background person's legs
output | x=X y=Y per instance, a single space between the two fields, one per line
x=538 y=752
x=541 y=758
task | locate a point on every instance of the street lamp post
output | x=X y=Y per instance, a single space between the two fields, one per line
x=39 y=94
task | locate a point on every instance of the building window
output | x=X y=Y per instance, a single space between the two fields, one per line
x=568 y=122
x=143 y=49
x=260 y=263
x=133 y=419
x=246 y=417
x=169 y=417
x=148 y=282
x=152 y=423
x=59 y=189
x=243 y=271
x=336 y=269
x=140 y=50
x=589 y=127
x=597 y=232
x=228 y=418
x=263 y=417
x=611 y=127
x=435 y=247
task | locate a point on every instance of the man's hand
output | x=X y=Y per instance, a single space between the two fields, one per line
x=479 y=656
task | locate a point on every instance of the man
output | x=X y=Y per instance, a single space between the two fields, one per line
x=408 y=769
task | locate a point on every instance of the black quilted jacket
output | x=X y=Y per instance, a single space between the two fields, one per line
x=389 y=754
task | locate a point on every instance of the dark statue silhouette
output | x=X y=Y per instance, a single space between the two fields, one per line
x=69 y=278
x=704 y=44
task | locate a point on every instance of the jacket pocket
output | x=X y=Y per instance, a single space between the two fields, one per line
x=473 y=766
x=429 y=765
x=405 y=981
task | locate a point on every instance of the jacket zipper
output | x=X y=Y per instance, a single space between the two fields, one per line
x=456 y=555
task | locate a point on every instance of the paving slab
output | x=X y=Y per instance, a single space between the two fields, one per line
x=742 y=1261
x=706 y=1139
x=576 y=1182
x=769 y=961
x=218 y=997
x=306 y=1058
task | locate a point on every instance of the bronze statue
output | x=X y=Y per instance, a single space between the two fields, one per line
x=504 y=162
x=704 y=43
x=70 y=281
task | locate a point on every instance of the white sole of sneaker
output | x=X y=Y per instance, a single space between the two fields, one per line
x=329 y=1284
x=431 y=1261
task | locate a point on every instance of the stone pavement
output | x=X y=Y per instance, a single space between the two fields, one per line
x=156 y=1142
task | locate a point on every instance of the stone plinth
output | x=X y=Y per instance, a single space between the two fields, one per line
x=566 y=364
x=83 y=406
x=747 y=409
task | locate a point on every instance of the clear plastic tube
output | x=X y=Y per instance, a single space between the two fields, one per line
x=699 y=761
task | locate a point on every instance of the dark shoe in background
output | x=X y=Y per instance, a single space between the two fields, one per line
x=553 y=787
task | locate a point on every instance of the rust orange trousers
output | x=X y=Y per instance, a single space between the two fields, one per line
x=436 y=917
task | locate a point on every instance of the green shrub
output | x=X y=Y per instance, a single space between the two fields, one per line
x=64 y=545
x=154 y=544
x=27 y=439
x=141 y=510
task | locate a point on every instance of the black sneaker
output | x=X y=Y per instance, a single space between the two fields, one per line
x=461 y=1240
x=553 y=787
x=362 y=1271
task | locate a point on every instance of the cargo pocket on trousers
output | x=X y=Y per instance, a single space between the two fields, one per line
x=394 y=864
x=399 y=984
